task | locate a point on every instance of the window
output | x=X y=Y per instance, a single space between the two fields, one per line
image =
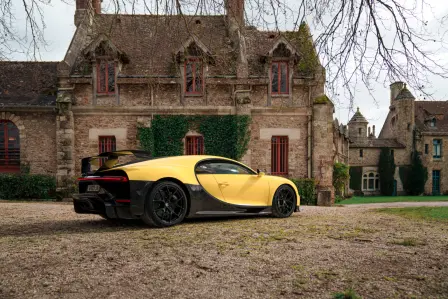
x=106 y=144
x=279 y=77
x=194 y=145
x=437 y=148
x=426 y=148
x=436 y=182
x=193 y=76
x=361 y=153
x=279 y=155
x=371 y=181
x=9 y=147
x=221 y=167
x=433 y=122
x=359 y=131
x=106 y=77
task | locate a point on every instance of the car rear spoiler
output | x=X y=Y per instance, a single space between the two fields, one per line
x=110 y=159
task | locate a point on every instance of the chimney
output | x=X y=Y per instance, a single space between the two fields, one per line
x=395 y=89
x=83 y=6
x=373 y=130
x=369 y=132
x=235 y=11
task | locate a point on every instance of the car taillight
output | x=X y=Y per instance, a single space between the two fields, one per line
x=121 y=179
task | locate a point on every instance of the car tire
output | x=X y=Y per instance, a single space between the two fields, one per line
x=166 y=205
x=284 y=202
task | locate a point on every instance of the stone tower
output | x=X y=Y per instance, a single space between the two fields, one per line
x=403 y=120
x=357 y=126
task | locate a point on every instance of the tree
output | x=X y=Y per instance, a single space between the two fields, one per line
x=340 y=176
x=416 y=176
x=386 y=170
x=357 y=40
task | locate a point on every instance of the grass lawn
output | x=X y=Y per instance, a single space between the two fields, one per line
x=427 y=213
x=380 y=199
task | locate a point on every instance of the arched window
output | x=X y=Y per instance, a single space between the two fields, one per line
x=9 y=147
x=371 y=181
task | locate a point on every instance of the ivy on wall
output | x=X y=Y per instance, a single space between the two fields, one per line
x=355 y=177
x=226 y=135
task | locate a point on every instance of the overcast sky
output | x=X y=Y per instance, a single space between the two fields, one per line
x=60 y=28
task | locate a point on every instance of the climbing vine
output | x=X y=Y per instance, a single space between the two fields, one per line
x=224 y=135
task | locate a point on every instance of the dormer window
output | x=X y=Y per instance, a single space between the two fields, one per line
x=194 y=83
x=279 y=77
x=433 y=122
x=105 y=77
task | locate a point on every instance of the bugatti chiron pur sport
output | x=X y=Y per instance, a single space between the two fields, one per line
x=164 y=191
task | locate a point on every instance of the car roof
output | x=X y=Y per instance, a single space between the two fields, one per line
x=182 y=160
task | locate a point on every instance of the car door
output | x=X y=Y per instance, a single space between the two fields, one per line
x=240 y=185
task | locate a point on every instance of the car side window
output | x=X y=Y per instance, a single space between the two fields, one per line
x=221 y=168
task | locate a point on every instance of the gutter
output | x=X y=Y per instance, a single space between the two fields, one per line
x=240 y=91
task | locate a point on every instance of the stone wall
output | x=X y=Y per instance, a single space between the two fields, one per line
x=434 y=163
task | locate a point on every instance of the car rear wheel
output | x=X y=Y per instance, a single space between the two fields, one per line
x=284 y=202
x=166 y=205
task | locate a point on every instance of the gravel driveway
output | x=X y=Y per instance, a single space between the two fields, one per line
x=48 y=251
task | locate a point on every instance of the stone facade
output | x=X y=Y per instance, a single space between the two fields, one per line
x=410 y=126
x=237 y=79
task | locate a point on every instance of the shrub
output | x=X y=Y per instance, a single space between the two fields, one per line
x=355 y=178
x=340 y=176
x=338 y=198
x=386 y=169
x=307 y=190
x=414 y=177
x=27 y=186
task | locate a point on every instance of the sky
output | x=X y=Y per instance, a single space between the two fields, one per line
x=59 y=21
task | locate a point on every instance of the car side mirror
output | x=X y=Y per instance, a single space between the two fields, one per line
x=260 y=173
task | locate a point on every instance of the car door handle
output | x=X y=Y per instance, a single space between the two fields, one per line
x=223 y=184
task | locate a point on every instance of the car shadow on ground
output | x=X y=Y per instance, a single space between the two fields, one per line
x=81 y=226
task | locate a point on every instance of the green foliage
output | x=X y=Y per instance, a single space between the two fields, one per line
x=347 y=294
x=146 y=137
x=355 y=177
x=340 y=176
x=309 y=60
x=414 y=177
x=168 y=132
x=386 y=170
x=307 y=190
x=224 y=135
x=27 y=186
x=338 y=199
x=323 y=99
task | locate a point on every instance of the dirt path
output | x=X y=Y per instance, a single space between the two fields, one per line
x=399 y=204
x=48 y=251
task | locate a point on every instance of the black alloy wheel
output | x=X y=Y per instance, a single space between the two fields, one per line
x=166 y=205
x=284 y=202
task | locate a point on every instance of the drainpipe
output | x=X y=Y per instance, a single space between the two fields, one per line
x=310 y=131
x=240 y=91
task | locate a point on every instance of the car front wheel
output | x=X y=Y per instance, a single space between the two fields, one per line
x=166 y=205
x=284 y=202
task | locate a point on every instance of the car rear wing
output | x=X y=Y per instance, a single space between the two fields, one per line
x=110 y=159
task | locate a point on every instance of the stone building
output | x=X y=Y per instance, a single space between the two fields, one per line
x=410 y=126
x=121 y=71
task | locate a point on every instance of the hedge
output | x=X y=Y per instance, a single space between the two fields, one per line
x=307 y=190
x=27 y=186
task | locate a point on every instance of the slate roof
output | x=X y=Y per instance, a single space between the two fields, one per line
x=376 y=143
x=150 y=43
x=28 y=83
x=404 y=94
x=425 y=111
x=358 y=118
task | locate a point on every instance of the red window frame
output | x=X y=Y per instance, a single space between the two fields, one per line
x=193 y=62
x=9 y=149
x=279 y=155
x=106 y=79
x=194 y=145
x=106 y=144
x=279 y=77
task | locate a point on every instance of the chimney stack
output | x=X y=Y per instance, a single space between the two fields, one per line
x=369 y=132
x=84 y=6
x=373 y=130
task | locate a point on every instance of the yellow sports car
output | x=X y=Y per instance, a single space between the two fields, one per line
x=164 y=191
